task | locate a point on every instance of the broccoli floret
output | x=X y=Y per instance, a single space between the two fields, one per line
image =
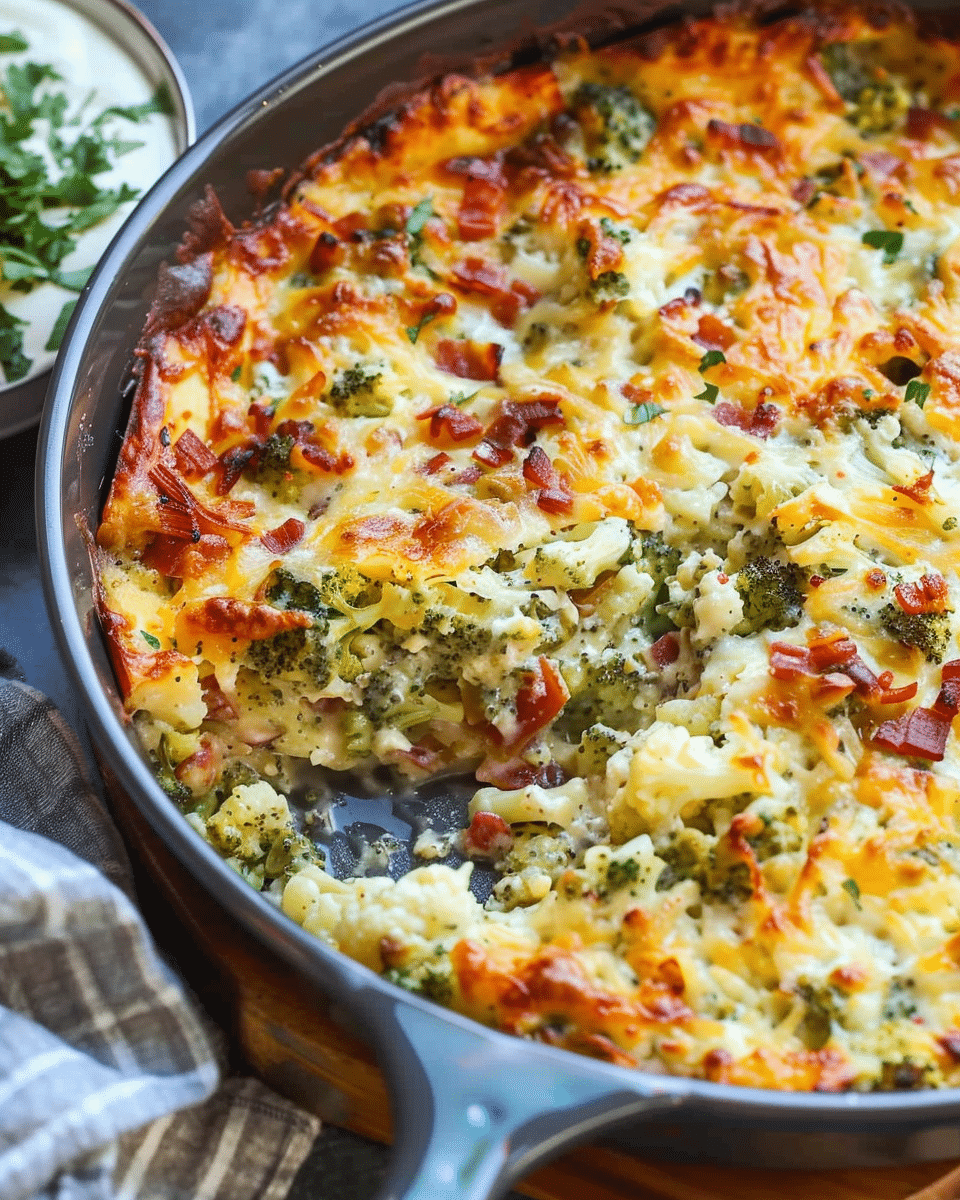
x=353 y=393
x=271 y=468
x=286 y=592
x=622 y=873
x=610 y=285
x=166 y=777
x=876 y=102
x=771 y=594
x=615 y=125
x=694 y=855
x=299 y=652
x=929 y=632
x=660 y=561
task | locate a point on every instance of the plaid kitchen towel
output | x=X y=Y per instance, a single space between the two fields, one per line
x=108 y=1073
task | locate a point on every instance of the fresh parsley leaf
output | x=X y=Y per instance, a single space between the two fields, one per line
x=60 y=326
x=917 y=392
x=413 y=331
x=850 y=885
x=461 y=398
x=73 y=281
x=13 y=42
x=640 y=414
x=890 y=241
x=710 y=393
x=152 y=642
x=421 y=214
x=711 y=359
x=235 y=374
x=160 y=102
x=14 y=362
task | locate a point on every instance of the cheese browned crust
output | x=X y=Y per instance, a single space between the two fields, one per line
x=594 y=427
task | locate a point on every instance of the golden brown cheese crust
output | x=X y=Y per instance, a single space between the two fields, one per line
x=594 y=427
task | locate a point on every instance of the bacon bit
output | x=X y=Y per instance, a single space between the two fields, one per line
x=920 y=733
x=950 y=671
x=449 y=422
x=181 y=513
x=349 y=226
x=219 y=705
x=487 y=279
x=817 y=581
x=199 y=770
x=921 y=123
x=803 y=190
x=194 y=458
x=919 y=491
x=489 y=836
x=759 y=423
x=233 y=463
x=239 y=619
x=517 y=773
x=468 y=475
x=712 y=334
x=927 y=595
x=437 y=463
x=876 y=580
x=684 y=193
x=880 y=162
x=951 y=1044
x=665 y=650
x=177 y=559
x=260 y=415
x=483 y=192
x=828 y=653
x=469 y=360
x=898 y=695
x=393 y=952
x=516 y=426
x=540 y=698
x=328 y=251
x=605 y=252
x=745 y=136
x=790 y=662
x=554 y=496
x=426 y=757
x=320 y=457
x=284 y=537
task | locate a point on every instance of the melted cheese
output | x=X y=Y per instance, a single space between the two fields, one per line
x=592 y=427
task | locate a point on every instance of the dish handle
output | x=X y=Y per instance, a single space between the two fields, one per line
x=475 y=1110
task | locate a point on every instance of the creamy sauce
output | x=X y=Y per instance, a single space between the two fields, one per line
x=89 y=60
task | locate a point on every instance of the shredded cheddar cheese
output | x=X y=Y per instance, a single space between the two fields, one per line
x=593 y=428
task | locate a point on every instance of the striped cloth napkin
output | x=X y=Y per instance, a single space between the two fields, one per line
x=109 y=1073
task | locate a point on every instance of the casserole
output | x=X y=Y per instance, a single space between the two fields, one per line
x=91 y=424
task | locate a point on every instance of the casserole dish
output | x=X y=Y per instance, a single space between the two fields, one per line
x=571 y=1098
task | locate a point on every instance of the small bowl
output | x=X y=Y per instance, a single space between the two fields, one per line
x=111 y=26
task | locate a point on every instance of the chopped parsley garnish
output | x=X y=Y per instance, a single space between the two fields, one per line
x=890 y=241
x=917 y=392
x=413 y=331
x=851 y=886
x=416 y=223
x=60 y=326
x=49 y=160
x=461 y=398
x=712 y=358
x=622 y=235
x=710 y=393
x=152 y=642
x=640 y=414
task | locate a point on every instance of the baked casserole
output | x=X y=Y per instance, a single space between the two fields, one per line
x=592 y=427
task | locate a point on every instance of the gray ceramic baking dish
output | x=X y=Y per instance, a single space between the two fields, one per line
x=474 y=1109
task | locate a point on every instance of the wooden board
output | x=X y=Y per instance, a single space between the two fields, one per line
x=280 y=1031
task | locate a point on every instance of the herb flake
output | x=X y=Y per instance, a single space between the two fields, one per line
x=890 y=241
x=640 y=414
x=917 y=392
